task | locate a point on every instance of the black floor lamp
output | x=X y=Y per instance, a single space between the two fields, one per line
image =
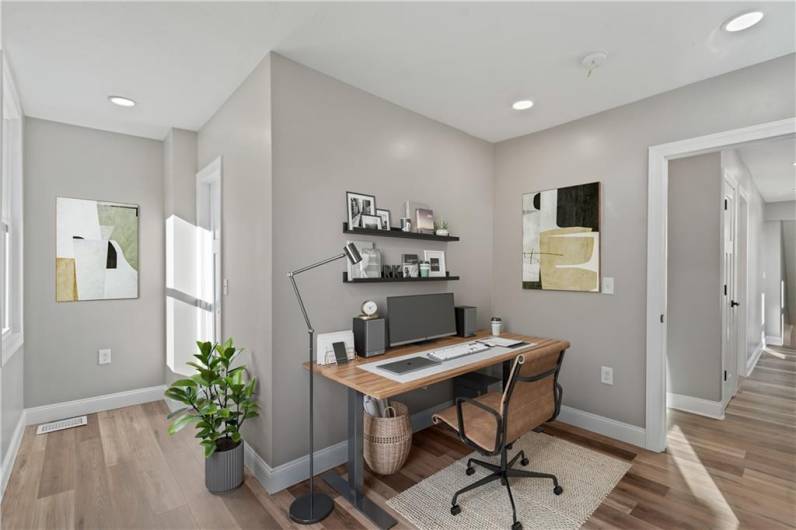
x=313 y=507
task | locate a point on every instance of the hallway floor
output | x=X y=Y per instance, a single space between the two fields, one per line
x=124 y=471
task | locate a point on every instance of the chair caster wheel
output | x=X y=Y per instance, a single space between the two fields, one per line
x=470 y=470
x=516 y=526
x=524 y=462
x=502 y=482
x=558 y=490
x=456 y=509
x=510 y=446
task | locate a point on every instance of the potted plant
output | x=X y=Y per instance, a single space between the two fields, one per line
x=218 y=399
x=441 y=228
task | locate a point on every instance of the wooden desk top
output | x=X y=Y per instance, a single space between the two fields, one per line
x=380 y=387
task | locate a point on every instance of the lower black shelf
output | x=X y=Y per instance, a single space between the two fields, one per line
x=386 y=280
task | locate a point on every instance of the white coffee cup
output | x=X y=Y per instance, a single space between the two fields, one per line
x=497 y=327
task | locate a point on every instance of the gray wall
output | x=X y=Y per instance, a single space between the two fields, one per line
x=694 y=261
x=61 y=339
x=240 y=132
x=330 y=138
x=612 y=147
x=772 y=244
x=780 y=211
x=789 y=270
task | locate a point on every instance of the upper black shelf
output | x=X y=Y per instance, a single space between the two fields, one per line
x=396 y=232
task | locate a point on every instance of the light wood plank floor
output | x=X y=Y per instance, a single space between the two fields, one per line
x=124 y=471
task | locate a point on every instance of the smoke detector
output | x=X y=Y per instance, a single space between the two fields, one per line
x=593 y=61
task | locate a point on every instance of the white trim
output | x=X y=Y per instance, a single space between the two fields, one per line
x=12 y=343
x=657 y=208
x=617 y=430
x=79 y=407
x=11 y=454
x=695 y=405
x=774 y=341
x=752 y=362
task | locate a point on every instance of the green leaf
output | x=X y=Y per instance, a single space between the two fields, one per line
x=183 y=382
x=178 y=424
x=178 y=412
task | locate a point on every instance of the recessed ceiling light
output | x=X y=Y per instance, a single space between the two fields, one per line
x=743 y=21
x=121 y=101
x=523 y=104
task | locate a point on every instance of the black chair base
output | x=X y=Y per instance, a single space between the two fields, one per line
x=503 y=472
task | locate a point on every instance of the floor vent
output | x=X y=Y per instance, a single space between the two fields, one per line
x=60 y=425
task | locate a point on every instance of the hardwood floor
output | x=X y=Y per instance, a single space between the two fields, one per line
x=124 y=471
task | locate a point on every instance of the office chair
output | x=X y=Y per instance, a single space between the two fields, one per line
x=491 y=423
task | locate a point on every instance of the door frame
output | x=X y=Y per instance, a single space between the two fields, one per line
x=743 y=338
x=729 y=317
x=657 y=212
x=206 y=177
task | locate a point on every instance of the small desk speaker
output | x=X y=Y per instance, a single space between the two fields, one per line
x=466 y=316
x=370 y=336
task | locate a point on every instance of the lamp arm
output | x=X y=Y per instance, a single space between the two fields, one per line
x=292 y=275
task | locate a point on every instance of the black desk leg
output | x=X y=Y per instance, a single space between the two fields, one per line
x=353 y=490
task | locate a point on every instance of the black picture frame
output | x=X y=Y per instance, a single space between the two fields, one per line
x=354 y=217
x=386 y=218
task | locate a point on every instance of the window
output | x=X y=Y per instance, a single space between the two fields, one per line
x=11 y=218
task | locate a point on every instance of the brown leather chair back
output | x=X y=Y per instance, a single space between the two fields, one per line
x=526 y=405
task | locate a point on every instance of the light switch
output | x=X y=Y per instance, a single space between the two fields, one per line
x=608 y=285
x=104 y=356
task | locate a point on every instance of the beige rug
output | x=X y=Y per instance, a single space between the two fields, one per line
x=586 y=476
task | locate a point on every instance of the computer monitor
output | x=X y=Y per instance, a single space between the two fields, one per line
x=420 y=317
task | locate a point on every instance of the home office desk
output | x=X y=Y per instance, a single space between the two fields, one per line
x=361 y=383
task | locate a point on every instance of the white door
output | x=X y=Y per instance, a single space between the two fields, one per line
x=729 y=292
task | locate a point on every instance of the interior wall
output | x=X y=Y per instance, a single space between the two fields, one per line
x=612 y=147
x=733 y=165
x=773 y=250
x=240 y=132
x=694 y=277
x=789 y=270
x=780 y=211
x=62 y=339
x=330 y=138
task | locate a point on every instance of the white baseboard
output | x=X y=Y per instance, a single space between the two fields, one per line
x=694 y=405
x=79 y=407
x=617 y=430
x=11 y=454
x=773 y=341
x=752 y=362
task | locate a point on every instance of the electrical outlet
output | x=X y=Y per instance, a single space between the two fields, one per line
x=607 y=375
x=608 y=285
x=104 y=356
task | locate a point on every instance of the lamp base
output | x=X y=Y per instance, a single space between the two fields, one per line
x=300 y=508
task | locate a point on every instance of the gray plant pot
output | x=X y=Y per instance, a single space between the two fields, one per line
x=224 y=469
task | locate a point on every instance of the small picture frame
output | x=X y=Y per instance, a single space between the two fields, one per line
x=436 y=261
x=371 y=222
x=386 y=221
x=424 y=221
x=357 y=205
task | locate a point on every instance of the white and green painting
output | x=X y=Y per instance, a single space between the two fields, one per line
x=96 y=253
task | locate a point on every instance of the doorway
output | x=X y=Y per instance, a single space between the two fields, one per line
x=657 y=268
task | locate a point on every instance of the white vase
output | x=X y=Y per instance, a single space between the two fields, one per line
x=442 y=232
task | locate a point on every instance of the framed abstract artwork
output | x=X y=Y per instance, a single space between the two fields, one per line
x=96 y=250
x=561 y=239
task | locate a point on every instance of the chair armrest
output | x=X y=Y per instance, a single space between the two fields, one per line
x=460 y=418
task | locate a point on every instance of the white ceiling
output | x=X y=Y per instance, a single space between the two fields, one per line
x=460 y=63
x=771 y=164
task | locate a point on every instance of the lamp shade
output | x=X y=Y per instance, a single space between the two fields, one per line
x=352 y=253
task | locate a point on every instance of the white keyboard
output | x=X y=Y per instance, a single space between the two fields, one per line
x=453 y=352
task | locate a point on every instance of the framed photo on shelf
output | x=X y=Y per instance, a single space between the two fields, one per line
x=372 y=222
x=357 y=205
x=436 y=261
x=424 y=221
x=386 y=222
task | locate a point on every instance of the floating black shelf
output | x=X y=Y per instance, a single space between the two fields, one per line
x=396 y=232
x=384 y=280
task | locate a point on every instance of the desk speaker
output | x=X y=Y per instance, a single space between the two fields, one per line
x=466 y=316
x=370 y=337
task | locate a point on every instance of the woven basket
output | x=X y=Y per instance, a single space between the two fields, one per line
x=387 y=441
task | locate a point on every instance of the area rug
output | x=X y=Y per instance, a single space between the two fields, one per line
x=587 y=478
